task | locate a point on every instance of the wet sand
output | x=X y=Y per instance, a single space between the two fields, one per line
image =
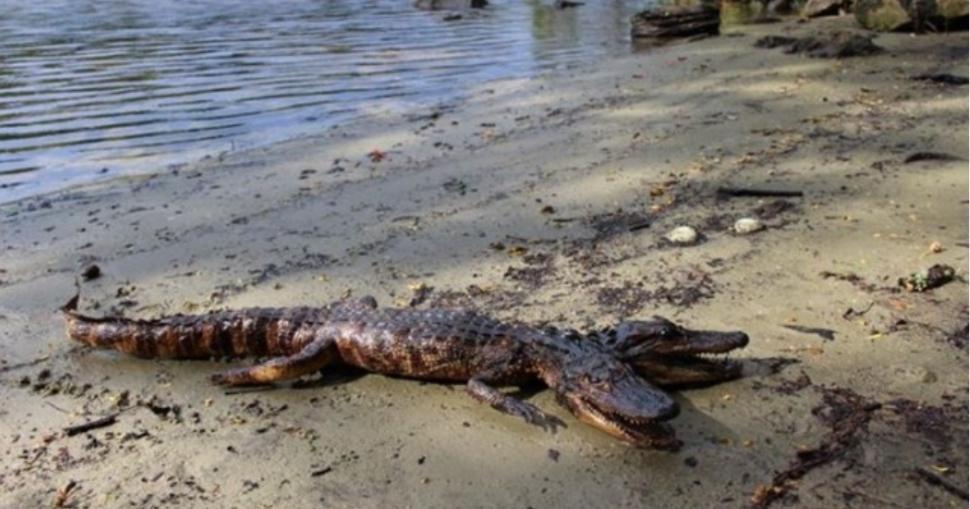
x=543 y=200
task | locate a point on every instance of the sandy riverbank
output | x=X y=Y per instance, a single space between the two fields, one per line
x=557 y=167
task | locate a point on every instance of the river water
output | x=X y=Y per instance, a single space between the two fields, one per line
x=90 y=89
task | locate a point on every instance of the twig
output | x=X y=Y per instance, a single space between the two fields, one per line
x=642 y=225
x=62 y=494
x=916 y=157
x=740 y=191
x=88 y=426
x=936 y=480
x=247 y=390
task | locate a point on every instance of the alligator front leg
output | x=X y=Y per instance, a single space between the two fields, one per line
x=502 y=402
x=313 y=357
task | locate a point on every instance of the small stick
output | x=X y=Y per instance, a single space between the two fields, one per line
x=64 y=493
x=252 y=388
x=642 y=225
x=916 y=157
x=740 y=191
x=936 y=480
x=88 y=426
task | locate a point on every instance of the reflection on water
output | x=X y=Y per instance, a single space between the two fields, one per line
x=89 y=87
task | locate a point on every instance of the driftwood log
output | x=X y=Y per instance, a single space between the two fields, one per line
x=674 y=21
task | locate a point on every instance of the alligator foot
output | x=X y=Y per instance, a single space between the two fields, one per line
x=485 y=393
x=312 y=358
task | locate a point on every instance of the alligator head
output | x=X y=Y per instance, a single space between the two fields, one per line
x=607 y=394
x=668 y=354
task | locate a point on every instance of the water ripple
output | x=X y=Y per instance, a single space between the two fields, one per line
x=136 y=85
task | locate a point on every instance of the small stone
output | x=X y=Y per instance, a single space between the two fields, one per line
x=747 y=225
x=91 y=272
x=682 y=235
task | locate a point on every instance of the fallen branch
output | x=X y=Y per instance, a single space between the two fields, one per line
x=929 y=156
x=741 y=191
x=936 y=480
x=847 y=415
x=88 y=426
x=672 y=21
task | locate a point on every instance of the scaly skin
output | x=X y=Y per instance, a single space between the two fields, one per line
x=598 y=376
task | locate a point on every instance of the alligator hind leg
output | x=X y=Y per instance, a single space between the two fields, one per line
x=313 y=357
x=502 y=402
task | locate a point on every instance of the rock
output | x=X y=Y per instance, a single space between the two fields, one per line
x=747 y=225
x=454 y=5
x=882 y=15
x=682 y=235
x=91 y=272
x=671 y=21
x=816 y=8
x=915 y=15
x=935 y=276
x=953 y=10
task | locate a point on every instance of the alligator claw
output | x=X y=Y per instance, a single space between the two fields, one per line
x=532 y=415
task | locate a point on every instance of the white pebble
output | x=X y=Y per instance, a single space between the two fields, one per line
x=682 y=235
x=747 y=225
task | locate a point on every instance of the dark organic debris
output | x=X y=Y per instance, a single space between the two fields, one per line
x=942 y=78
x=934 y=277
x=772 y=209
x=553 y=455
x=566 y=4
x=849 y=277
x=741 y=191
x=91 y=272
x=611 y=224
x=455 y=185
x=959 y=336
x=932 y=422
x=476 y=297
x=538 y=270
x=929 y=156
x=847 y=414
x=434 y=5
x=936 y=480
x=826 y=334
x=790 y=387
x=631 y=298
x=835 y=45
x=90 y=425
x=774 y=41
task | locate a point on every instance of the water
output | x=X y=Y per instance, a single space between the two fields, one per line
x=95 y=88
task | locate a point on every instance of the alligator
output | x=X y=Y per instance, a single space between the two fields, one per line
x=608 y=378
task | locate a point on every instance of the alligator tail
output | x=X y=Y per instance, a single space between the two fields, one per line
x=246 y=332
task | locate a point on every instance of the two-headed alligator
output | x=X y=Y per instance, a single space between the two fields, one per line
x=601 y=377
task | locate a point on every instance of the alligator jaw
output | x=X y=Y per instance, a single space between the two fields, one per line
x=637 y=430
x=686 y=357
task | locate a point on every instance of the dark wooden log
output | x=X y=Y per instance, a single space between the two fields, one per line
x=673 y=21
